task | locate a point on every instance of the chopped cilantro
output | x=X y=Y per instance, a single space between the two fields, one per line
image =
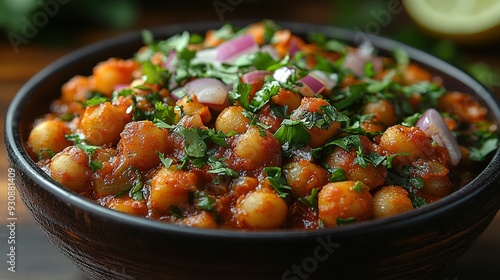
x=338 y=174
x=204 y=201
x=263 y=96
x=137 y=190
x=67 y=117
x=167 y=162
x=49 y=152
x=292 y=132
x=94 y=101
x=343 y=221
x=278 y=181
x=175 y=211
x=416 y=200
x=241 y=94
x=411 y=120
x=154 y=74
x=312 y=199
x=359 y=187
x=164 y=113
x=488 y=146
x=219 y=167
x=402 y=59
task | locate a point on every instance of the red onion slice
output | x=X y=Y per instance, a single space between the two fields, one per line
x=178 y=93
x=356 y=61
x=434 y=127
x=282 y=74
x=205 y=56
x=271 y=51
x=208 y=90
x=254 y=76
x=330 y=81
x=171 y=61
x=230 y=50
x=311 y=85
x=119 y=87
x=293 y=47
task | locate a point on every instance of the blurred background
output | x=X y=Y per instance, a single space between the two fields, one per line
x=36 y=32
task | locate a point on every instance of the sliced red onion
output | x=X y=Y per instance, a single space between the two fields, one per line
x=271 y=51
x=357 y=60
x=434 y=127
x=282 y=74
x=205 y=56
x=311 y=85
x=355 y=63
x=365 y=50
x=171 y=61
x=230 y=50
x=178 y=93
x=120 y=87
x=254 y=76
x=293 y=47
x=330 y=81
x=208 y=91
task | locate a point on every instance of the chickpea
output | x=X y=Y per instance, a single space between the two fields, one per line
x=286 y=97
x=128 y=205
x=319 y=136
x=48 y=135
x=232 y=119
x=254 y=151
x=391 y=200
x=344 y=200
x=434 y=175
x=463 y=105
x=409 y=140
x=191 y=106
x=140 y=142
x=114 y=176
x=302 y=176
x=243 y=185
x=192 y=122
x=415 y=74
x=102 y=124
x=201 y=220
x=112 y=72
x=171 y=187
x=437 y=186
x=70 y=167
x=269 y=118
x=76 y=89
x=370 y=175
x=261 y=209
x=383 y=112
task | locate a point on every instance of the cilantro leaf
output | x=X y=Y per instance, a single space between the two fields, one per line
x=241 y=94
x=219 y=167
x=263 y=96
x=155 y=74
x=278 y=181
x=164 y=113
x=94 y=101
x=204 y=201
x=167 y=162
x=292 y=132
x=479 y=154
x=312 y=199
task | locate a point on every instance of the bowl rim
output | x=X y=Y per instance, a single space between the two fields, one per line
x=14 y=142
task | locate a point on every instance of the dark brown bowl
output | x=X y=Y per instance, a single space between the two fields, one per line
x=106 y=244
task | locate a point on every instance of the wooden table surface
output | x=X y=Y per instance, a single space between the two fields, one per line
x=37 y=259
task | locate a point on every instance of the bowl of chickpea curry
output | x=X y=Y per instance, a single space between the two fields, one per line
x=256 y=151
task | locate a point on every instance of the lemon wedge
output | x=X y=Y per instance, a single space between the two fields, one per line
x=465 y=21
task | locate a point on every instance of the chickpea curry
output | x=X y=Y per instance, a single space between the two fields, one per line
x=257 y=128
